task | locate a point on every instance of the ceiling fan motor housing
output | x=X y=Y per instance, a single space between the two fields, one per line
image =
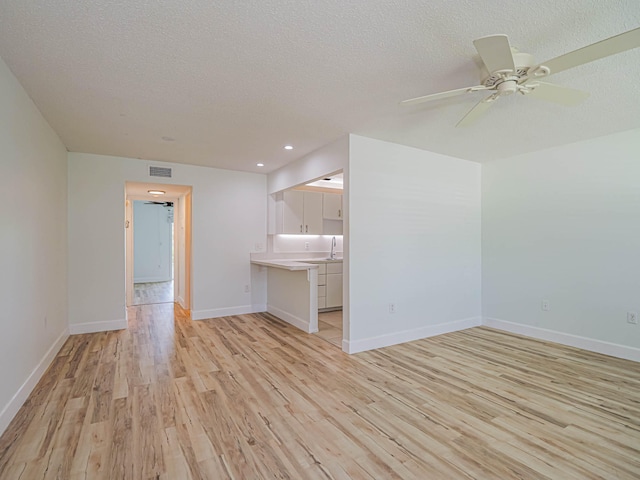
x=508 y=87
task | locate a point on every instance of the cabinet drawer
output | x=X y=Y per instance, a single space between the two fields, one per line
x=322 y=303
x=335 y=267
x=322 y=268
x=322 y=280
x=322 y=291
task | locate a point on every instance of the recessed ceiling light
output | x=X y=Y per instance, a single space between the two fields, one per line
x=288 y=147
x=260 y=164
x=156 y=192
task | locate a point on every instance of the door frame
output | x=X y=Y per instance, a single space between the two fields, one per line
x=181 y=196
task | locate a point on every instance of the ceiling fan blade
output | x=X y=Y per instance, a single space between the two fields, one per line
x=495 y=52
x=476 y=112
x=438 y=96
x=596 y=51
x=557 y=94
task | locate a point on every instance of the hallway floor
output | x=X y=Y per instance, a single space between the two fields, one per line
x=151 y=293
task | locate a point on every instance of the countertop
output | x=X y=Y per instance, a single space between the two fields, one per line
x=294 y=264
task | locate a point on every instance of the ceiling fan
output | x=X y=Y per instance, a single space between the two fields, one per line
x=513 y=72
x=164 y=204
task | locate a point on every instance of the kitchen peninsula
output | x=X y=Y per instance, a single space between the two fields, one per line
x=294 y=288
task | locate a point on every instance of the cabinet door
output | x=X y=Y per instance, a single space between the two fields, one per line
x=292 y=211
x=334 y=290
x=312 y=213
x=332 y=206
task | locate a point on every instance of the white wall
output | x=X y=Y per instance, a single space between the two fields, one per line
x=328 y=159
x=153 y=232
x=564 y=225
x=33 y=235
x=298 y=243
x=228 y=220
x=414 y=240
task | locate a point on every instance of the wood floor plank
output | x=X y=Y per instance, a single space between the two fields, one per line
x=249 y=396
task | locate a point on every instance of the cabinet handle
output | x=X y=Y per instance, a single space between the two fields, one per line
x=300 y=228
x=339 y=213
x=307 y=228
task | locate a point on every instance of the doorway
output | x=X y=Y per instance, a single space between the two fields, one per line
x=153 y=252
x=158 y=244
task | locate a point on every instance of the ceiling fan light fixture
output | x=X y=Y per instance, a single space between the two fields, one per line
x=156 y=192
x=288 y=147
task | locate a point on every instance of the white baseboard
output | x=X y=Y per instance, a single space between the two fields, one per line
x=226 y=312
x=93 y=327
x=10 y=409
x=409 y=335
x=290 y=319
x=598 y=346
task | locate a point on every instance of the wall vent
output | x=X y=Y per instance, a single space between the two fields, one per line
x=164 y=172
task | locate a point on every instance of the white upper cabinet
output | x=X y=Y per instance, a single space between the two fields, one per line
x=301 y=212
x=313 y=213
x=292 y=212
x=331 y=206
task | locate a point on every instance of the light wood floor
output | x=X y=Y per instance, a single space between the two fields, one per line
x=330 y=327
x=249 y=397
x=154 y=292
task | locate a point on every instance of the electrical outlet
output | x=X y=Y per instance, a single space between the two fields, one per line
x=258 y=247
x=306 y=245
x=632 y=317
x=545 y=305
x=392 y=308
x=247 y=289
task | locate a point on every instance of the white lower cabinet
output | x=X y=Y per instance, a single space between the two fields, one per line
x=334 y=290
x=329 y=285
x=334 y=285
x=322 y=285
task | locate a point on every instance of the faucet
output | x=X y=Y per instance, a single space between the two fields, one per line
x=332 y=256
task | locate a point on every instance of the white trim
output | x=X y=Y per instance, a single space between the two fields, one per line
x=591 y=344
x=93 y=327
x=409 y=335
x=180 y=301
x=10 y=409
x=226 y=312
x=291 y=319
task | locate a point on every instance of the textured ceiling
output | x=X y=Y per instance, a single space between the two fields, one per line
x=229 y=83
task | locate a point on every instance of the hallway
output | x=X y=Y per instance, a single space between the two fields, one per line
x=152 y=293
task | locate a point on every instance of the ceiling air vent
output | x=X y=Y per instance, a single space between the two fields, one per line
x=160 y=172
